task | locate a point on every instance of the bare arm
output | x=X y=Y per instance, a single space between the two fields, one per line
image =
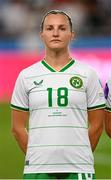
x=95 y=118
x=108 y=123
x=19 y=119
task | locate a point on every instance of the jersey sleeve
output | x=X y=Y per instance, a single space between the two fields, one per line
x=95 y=93
x=107 y=92
x=19 y=99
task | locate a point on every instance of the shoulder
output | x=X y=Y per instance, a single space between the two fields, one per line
x=85 y=69
x=32 y=70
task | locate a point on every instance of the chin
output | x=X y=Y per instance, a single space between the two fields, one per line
x=56 y=47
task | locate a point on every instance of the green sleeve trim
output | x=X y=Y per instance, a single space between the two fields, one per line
x=19 y=108
x=108 y=109
x=97 y=107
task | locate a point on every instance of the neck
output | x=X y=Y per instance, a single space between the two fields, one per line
x=57 y=59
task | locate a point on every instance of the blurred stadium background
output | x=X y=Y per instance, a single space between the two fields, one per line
x=20 y=46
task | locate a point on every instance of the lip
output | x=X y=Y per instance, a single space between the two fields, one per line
x=55 y=40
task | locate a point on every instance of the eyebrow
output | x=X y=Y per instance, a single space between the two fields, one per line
x=58 y=25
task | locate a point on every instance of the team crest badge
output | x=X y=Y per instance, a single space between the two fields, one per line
x=76 y=82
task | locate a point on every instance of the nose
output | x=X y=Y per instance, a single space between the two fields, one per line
x=55 y=33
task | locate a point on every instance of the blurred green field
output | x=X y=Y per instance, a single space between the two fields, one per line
x=12 y=159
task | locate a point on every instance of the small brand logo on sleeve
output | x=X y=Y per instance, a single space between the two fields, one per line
x=38 y=83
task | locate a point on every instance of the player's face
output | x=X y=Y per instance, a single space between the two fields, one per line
x=56 y=32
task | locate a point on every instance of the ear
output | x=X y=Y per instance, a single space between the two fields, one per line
x=41 y=34
x=72 y=36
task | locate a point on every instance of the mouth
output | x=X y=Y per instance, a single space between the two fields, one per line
x=55 y=40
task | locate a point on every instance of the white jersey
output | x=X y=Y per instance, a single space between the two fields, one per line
x=108 y=95
x=58 y=125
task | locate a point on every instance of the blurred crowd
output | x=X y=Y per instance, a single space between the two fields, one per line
x=20 y=19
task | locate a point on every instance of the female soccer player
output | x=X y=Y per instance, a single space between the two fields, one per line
x=63 y=101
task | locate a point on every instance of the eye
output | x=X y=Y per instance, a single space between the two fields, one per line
x=62 y=28
x=49 y=28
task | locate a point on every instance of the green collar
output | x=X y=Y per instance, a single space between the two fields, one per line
x=53 y=70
